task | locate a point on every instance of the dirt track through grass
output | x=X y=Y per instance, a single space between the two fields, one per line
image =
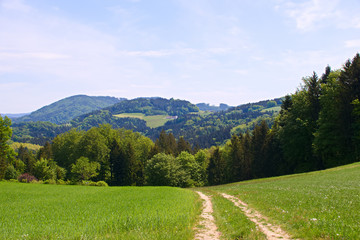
x=271 y=231
x=207 y=229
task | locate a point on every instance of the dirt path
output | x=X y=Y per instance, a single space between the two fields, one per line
x=272 y=232
x=207 y=229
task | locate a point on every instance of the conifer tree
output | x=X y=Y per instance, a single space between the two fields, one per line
x=260 y=133
x=216 y=168
x=236 y=158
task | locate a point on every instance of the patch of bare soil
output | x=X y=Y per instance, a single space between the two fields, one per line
x=271 y=231
x=207 y=229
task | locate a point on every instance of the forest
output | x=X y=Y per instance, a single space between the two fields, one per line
x=318 y=127
x=202 y=128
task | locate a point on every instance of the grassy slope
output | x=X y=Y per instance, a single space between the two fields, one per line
x=317 y=205
x=151 y=121
x=32 y=211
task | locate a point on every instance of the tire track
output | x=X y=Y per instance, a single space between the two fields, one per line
x=271 y=231
x=207 y=229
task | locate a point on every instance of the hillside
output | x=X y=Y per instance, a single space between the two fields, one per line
x=14 y=115
x=208 y=107
x=146 y=106
x=316 y=205
x=66 y=109
x=151 y=115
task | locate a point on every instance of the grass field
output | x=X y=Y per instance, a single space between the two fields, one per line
x=275 y=109
x=317 y=205
x=151 y=121
x=38 y=211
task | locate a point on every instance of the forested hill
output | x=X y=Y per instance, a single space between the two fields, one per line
x=66 y=109
x=172 y=108
x=154 y=106
x=182 y=118
x=208 y=107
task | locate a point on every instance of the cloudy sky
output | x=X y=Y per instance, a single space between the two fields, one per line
x=213 y=51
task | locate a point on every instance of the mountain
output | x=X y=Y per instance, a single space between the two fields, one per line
x=66 y=109
x=172 y=108
x=208 y=107
x=180 y=117
x=14 y=115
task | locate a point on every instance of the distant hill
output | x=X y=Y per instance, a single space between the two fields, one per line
x=14 y=115
x=146 y=106
x=66 y=109
x=151 y=115
x=208 y=107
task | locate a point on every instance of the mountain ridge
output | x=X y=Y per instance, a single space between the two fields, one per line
x=64 y=110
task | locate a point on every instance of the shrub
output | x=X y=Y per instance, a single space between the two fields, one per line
x=87 y=183
x=43 y=170
x=37 y=181
x=92 y=183
x=11 y=173
x=102 y=184
x=62 y=182
x=50 y=181
x=27 y=178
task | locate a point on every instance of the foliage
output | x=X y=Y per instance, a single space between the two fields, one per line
x=33 y=147
x=6 y=152
x=37 y=132
x=26 y=177
x=83 y=169
x=203 y=130
x=11 y=173
x=164 y=170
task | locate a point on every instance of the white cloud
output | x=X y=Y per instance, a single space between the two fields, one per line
x=355 y=43
x=311 y=14
x=32 y=55
x=314 y=14
x=15 y=5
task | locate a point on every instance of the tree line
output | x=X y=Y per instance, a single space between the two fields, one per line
x=318 y=127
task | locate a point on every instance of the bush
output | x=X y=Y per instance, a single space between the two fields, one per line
x=102 y=184
x=62 y=182
x=43 y=170
x=50 y=181
x=92 y=183
x=11 y=173
x=37 y=182
x=27 y=178
x=87 y=183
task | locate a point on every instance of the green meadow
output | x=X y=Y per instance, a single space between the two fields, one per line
x=153 y=121
x=39 y=211
x=316 y=205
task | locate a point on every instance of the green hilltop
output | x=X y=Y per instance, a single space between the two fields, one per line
x=66 y=109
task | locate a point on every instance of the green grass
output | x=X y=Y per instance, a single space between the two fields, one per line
x=151 y=121
x=275 y=109
x=317 y=205
x=231 y=221
x=37 y=211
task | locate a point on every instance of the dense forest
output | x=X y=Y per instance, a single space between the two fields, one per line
x=204 y=129
x=317 y=127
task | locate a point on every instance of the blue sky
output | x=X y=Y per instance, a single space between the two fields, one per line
x=213 y=51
